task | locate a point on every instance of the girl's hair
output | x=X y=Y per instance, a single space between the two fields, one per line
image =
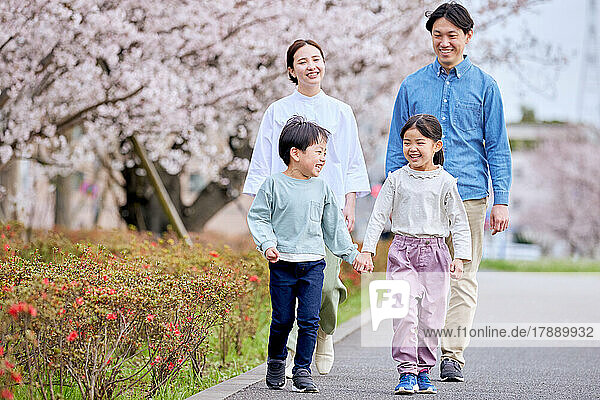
x=294 y=47
x=299 y=133
x=456 y=14
x=428 y=126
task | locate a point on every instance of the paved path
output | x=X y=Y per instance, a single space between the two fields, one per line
x=501 y=369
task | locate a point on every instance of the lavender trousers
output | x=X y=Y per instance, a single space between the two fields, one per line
x=424 y=263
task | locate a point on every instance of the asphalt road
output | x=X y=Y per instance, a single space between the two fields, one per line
x=501 y=369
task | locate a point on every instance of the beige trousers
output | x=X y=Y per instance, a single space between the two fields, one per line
x=463 y=292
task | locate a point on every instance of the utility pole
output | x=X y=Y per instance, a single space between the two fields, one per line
x=161 y=191
x=588 y=96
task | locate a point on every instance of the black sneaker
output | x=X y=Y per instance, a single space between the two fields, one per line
x=275 y=374
x=450 y=371
x=303 y=382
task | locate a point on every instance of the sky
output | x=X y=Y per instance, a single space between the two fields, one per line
x=560 y=23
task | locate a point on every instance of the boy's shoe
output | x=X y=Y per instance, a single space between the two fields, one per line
x=407 y=385
x=324 y=353
x=424 y=382
x=275 y=374
x=303 y=382
x=450 y=371
x=290 y=364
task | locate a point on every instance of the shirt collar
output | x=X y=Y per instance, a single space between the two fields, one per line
x=302 y=97
x=459 y=70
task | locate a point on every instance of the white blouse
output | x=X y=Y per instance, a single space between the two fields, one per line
x=421 y=204
x=344 y=171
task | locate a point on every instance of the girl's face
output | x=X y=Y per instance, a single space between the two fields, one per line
x=419 y=150
x=309 y=68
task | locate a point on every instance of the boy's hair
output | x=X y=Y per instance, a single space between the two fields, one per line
x=453 y=12
x=294 y=47
x=428 y=126
x=299 y=133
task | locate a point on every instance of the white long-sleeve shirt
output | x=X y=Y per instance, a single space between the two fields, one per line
x=422 y=204
x=344 y=171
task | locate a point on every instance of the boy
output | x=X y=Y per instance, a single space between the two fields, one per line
x=292 y=218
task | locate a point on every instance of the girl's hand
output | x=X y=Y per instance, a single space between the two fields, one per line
x=363 y=263
x=456 y=268
x=272 y=254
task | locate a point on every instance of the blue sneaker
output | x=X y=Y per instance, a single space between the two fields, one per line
x=425 y=385
x=407 y=385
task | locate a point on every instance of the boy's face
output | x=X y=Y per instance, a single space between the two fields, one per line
x=312 y=160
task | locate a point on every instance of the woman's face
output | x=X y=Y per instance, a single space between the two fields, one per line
x=309 y=67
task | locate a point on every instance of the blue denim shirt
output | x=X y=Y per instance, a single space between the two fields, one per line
x=468 y=104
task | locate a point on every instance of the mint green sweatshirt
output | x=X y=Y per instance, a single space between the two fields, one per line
x=299 y=216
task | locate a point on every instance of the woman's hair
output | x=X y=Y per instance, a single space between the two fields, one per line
x=428 y=126
x=294 y=47
x=456 y=14
x=299 y=133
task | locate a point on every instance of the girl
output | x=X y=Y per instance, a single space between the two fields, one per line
x=425 y=207
x=344 y=171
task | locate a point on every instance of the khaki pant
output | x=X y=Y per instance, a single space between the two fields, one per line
x=334 y=293
x=463 y=292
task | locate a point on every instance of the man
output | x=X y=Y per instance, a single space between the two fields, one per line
x=468 y=104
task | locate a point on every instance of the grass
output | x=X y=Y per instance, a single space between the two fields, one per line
x=542 y=265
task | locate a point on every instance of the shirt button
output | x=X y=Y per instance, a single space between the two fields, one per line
x=447 y=82
x=445 y=100
x=443 y=118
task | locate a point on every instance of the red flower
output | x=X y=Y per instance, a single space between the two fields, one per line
x=214 y=254
x=171 y=366
x=1 y=351
x=8 y=227
x=79 y=300
x=16 y=377
x=150 y=317
x=253 y=278
x=6 y=394
x=111 y=316
x=46 y=281
x=246 y=318
x=3 y=236
x=72 y=336
x=8 y=364
x=32 y=311
x=7 y=288
x=6 y=247
x=153 y=244
x=61 y=311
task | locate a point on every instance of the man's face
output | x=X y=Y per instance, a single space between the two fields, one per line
x=449 y=42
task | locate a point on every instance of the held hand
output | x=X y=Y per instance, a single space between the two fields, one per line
x=499 y=218
x=348 y=211
x=363 y=263
x=456 y=268
x=272 y=254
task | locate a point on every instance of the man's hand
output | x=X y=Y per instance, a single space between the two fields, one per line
x=499 y=218
x=363 y=263
x=272 y=254
x=348 y=210
x=456 y=268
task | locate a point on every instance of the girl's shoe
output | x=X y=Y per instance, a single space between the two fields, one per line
x=407 y=385
x=424 y=382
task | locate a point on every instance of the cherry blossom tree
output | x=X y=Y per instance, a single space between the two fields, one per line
x=563 y=190
x=191 y=79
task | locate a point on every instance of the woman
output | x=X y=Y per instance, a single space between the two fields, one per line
x=344 y=171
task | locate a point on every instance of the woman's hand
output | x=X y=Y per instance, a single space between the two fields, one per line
x=349 y=210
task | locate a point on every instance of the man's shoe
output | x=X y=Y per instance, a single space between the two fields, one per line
x=275 y=374
x=424 y=382
x=450 y=371
x=303 y=382
x=324 y=352
x=407 y=385
x=290 y=364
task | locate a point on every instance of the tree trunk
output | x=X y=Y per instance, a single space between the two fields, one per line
x=62 y=203
x=9 y=187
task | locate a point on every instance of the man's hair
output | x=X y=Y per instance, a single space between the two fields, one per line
x=299 y=133
x=455 y=13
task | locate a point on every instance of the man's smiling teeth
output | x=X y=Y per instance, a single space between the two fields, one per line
x=445 y=51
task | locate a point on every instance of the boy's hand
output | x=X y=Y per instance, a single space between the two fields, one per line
x=272 y=254
x=363 y=263
x=456 y=268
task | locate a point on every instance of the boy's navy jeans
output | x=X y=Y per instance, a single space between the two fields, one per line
x=290 y=281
